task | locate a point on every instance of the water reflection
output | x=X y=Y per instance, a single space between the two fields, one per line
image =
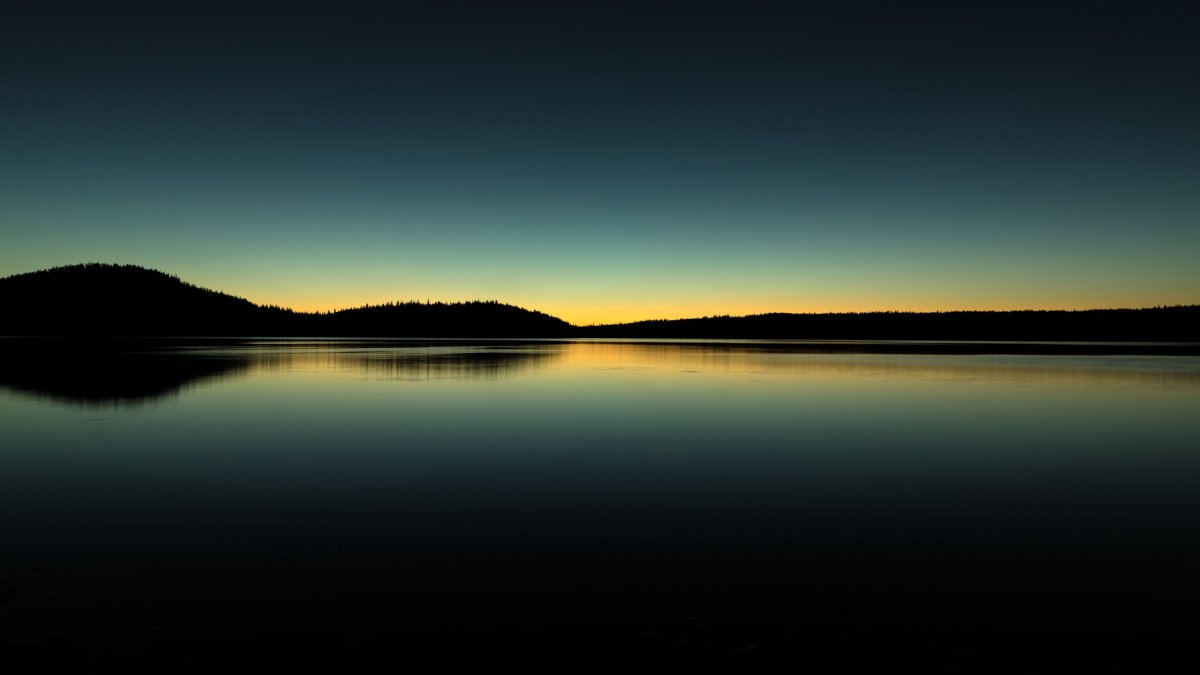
x=107 y=376
x=398 y=360
x=891 y=361
x=327 y=482
x=137 y=372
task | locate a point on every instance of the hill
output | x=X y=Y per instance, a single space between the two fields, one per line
x=98 y=299
x=125 y=300
x=439 y=319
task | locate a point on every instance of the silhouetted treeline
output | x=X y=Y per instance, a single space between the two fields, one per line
x=439 y=319
x=1159 y=324
x=125 y=300
x=96 y=299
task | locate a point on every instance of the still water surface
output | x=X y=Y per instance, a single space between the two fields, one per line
x=366 y=472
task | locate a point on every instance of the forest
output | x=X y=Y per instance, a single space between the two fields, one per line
x=98 y=299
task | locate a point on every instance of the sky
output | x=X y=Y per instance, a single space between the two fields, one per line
x=611 y=161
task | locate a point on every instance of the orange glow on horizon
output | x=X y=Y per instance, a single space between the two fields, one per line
x=585 y=315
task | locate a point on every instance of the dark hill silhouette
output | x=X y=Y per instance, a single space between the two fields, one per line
x=439 y=319
x=97 y=299
x=124 y=300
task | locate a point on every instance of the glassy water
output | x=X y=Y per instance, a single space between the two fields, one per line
x=352 y=484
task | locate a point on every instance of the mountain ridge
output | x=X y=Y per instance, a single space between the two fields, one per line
x=103 y=299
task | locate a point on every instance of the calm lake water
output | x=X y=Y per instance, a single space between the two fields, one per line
x=191 y=488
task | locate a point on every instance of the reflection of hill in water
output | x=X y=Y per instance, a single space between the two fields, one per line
x=405 y=360
x=109 y=376
x=132 y=373
x=136 y=372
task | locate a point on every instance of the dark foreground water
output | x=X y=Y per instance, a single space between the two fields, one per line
x=282 y=505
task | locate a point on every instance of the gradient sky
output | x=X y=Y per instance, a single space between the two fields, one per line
x=610 y=161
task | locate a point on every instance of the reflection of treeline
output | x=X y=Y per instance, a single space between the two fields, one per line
x=122 y=371
x=98 y=299
x=406 y=360
x=1168 y=324
x=106 y=374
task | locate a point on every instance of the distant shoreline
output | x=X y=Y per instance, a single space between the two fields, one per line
x=91 y=300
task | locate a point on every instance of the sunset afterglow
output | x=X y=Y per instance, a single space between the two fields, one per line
x=611 y=164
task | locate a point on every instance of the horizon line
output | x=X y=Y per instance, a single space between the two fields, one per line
x=717 y=314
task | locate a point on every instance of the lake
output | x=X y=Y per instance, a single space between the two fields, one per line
x=343 y=502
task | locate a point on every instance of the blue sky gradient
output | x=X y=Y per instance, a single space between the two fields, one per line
x=612 y=161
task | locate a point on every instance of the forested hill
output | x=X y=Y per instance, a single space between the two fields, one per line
x=125 y=300
x=97 y=299
x=440 y=319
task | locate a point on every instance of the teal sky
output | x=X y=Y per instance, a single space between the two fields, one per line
x=611 y=161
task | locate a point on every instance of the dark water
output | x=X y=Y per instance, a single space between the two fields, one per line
x=655 y=501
